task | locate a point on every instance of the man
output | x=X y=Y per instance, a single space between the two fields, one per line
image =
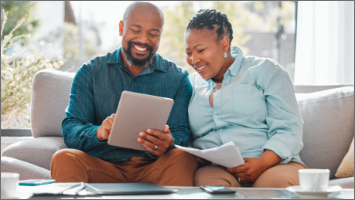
x=95 y=93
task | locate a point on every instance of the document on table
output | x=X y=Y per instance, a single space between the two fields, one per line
x=54 y=189
x=227 y=155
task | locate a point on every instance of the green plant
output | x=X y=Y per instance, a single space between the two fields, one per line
x=17 y=9
x=17 y=72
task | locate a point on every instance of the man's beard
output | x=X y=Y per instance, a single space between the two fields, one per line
x=136 y=61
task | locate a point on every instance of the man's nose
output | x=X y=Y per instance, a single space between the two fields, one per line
x=143 y=38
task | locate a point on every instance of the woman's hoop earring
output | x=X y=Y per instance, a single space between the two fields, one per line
x=225 y=54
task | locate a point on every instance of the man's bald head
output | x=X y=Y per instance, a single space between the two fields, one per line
x=145 y=5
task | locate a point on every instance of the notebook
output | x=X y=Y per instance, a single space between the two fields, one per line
x=127 y=188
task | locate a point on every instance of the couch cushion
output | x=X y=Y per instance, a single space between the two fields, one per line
x=37 y=151
x=50 y=97
x=343 y=182
x=328 y=127
x=25 y=169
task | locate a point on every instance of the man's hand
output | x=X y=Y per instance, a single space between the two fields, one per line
x=253 y=167
x=152 y=137
x=104 y=131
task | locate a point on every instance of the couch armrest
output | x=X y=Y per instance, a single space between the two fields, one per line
x=50 y=97
x=37 y=151
x=328 y=127
x=25 y=169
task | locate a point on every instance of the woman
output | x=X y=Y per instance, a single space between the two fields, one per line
x=247 y=100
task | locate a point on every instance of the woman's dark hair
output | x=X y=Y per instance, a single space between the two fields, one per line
x=207 y=18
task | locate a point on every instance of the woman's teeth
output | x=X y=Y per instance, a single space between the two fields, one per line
x=139 y=49
x=200 y=68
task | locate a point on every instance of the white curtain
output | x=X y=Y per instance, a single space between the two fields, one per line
x=325 y=43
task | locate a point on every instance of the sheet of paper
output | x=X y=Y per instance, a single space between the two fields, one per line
x=227 y=155
x=53 y=188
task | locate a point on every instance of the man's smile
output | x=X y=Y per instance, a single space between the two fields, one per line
x=140 y=50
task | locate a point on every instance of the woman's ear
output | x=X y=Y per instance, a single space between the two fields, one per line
x=225 y=43
x=120 y=28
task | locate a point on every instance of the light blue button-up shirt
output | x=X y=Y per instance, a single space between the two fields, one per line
x=256 y=108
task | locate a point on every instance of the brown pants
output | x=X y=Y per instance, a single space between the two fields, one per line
x=174 y=168
x=279 y=176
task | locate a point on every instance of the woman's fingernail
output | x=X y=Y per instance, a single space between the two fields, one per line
x=141 y=134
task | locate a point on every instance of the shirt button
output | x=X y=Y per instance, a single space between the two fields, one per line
x=220 y=129
x=215 y=116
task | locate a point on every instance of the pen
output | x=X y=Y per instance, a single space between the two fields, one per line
x=82 y=186
x=56 y=193
x=70 y=187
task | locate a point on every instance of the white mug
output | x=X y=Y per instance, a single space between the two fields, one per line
x=9 y=183
x=314 y=179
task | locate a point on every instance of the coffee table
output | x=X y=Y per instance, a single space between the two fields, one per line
x=197 y=193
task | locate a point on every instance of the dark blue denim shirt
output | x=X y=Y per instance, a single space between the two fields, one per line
x=96 y=91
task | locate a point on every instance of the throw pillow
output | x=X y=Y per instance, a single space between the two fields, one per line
x=346 y=168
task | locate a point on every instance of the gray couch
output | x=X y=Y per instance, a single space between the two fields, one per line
x=328 y=113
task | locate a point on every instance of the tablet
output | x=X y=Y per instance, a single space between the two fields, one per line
x=136 y=113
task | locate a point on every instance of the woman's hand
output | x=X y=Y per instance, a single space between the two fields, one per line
x=250 y=171
x=253 y=167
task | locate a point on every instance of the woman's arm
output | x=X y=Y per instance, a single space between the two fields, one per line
x=284 y=121
x=269 y=159
x=283 y=117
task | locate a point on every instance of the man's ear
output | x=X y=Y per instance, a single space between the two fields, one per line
x=120 y=29
x=225 y=43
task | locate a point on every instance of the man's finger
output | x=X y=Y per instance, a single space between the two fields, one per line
x=166 y=129
x=107 y=126
x=159 y=134
x=110 y=120
x=147 y=142
x=151 y=138
x=105 y=133
x=151 y=150
x=107 y=122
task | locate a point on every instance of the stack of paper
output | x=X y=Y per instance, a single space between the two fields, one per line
x=227 y=155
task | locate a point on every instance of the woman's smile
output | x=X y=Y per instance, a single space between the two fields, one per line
x=200 y=69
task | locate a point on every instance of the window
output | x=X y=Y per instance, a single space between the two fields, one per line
x=74 y=32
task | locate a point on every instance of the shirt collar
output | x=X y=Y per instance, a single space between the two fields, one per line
x=238 y=54
x=115 y=57
x=233 y=70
